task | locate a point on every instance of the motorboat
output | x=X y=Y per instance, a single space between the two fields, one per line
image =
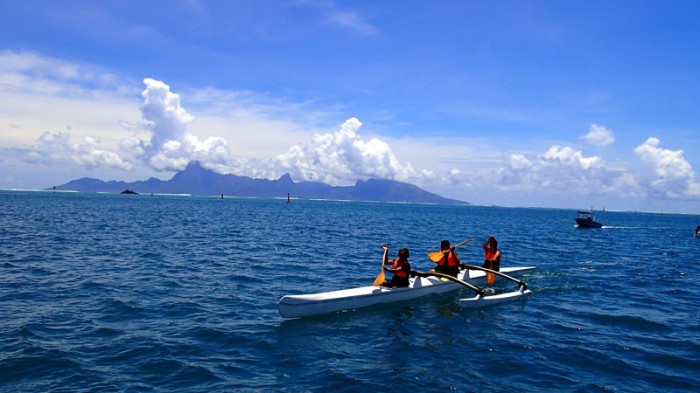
x=586 y=219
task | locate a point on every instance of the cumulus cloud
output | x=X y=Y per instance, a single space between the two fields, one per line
x=164 y=116
x=334 y=158
x=167 y=146
x=342 y=157
x=558 y=156
x=162 y=142
x=564 y=170
x=599 y=136
x=170 y=146
x=55 y=148
x=671 y=174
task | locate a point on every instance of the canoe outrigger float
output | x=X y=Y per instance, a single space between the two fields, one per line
x=421 y=284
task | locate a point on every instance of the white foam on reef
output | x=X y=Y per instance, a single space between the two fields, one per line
x=34 y=190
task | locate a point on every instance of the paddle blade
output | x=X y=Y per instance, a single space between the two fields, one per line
x=436 y=256
x=490 y=278
x=380 y=279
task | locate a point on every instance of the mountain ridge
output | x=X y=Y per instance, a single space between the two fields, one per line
x=197 y=180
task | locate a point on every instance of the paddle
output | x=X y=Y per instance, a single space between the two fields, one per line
x=447 y=276
x=436 y=256
x=380 y=278
x=490 y=278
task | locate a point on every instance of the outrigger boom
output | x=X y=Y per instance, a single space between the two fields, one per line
x=521 y=284
x=481 y=299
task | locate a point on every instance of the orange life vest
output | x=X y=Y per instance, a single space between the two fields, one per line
x=448 y=260
x=403 y=273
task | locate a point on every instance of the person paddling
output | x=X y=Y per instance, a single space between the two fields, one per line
x=697 y=231
x=399 y=266
x=449 y=264
x=492 y=258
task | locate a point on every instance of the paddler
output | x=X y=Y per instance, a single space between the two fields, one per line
x=399 y=266
x=449 y=264
x=492 y=257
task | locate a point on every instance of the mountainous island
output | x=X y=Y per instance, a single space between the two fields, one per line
x=197 y=180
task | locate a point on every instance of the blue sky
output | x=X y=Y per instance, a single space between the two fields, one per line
x=567 y=104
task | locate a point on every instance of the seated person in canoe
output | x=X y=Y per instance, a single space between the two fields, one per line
x=449 y=264
x=399 y=266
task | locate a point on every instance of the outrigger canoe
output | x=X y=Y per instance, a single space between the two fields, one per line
x=422 y=284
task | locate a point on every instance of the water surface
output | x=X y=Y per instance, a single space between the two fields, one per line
x=104 y=292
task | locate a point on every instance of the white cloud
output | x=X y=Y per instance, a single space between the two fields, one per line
x=599 y=136
x=519 y=162
x=40 y=93
x=672 y=175
x=165 y=147
x=171 y=147
x=350 y=20
x=164 y=116
x=563 y=170
x=558 y=156
x=343 y=157
x=163 y=142
x=31 y=72
x=56 y=149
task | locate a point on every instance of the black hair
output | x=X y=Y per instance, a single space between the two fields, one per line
x=405 y=250
x=444 y=245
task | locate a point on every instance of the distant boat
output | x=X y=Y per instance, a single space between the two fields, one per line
x=127 y=191
x=586 y=219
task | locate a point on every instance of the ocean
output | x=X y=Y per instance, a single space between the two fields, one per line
x=141 y=293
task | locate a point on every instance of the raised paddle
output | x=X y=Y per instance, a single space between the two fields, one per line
x=380 y=278
x=436 y=256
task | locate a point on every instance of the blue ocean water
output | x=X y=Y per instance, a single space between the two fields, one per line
x=114 y=293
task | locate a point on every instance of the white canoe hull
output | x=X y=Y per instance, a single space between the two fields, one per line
x=295 y=306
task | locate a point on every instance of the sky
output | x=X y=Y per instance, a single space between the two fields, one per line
x=554 y=104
